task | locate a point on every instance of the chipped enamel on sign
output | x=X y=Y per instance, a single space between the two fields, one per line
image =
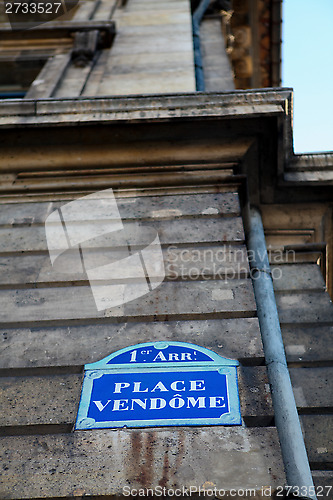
x=159 y=384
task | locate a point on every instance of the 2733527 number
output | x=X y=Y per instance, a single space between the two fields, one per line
x=32 y=7
x=304 y=491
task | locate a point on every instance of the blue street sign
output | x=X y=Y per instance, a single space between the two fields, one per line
x=158 y=384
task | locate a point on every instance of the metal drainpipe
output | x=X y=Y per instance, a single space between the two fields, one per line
x=196 y=20
x=293 y=449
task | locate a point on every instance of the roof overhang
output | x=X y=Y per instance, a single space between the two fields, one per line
x=251 y=128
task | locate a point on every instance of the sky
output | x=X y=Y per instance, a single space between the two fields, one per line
x=307 y=66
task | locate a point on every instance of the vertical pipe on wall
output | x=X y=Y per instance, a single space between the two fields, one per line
x=196 y=20
x=293 y=449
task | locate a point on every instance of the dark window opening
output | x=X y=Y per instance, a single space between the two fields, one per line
x=18 y=73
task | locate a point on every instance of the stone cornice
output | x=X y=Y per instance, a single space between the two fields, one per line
x=249 y=103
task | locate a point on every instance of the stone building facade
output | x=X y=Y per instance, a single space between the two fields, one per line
x=106 y=97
